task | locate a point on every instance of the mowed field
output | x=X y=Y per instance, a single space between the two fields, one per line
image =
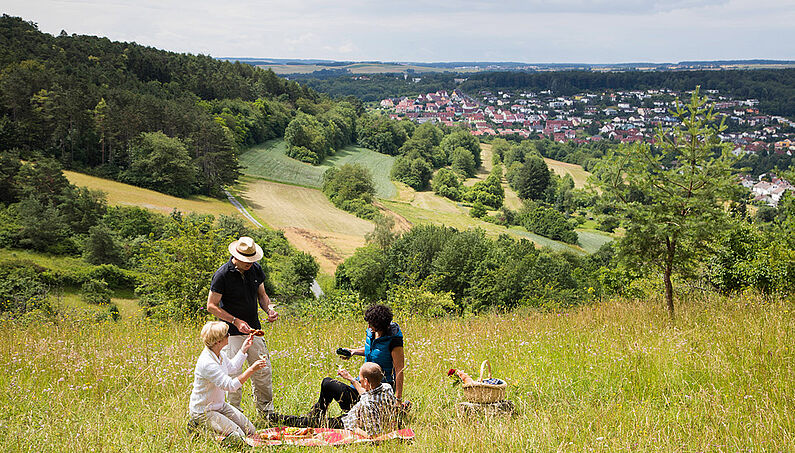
x=578 y=174
x=309 y=220
x=429 y=208
x=269 y=161
x=126 y=195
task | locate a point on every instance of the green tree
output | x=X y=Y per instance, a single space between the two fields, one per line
x=446 y=183
x=297 y=276
x=103 y=247
x=462 y=139
x=462 y=162
x=382 y=235
x=161 y=163
x=532 y=179
x=673 y=195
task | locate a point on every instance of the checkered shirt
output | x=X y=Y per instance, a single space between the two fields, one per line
x=375 y=413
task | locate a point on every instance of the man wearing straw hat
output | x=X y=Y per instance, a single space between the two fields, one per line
x=236 y=291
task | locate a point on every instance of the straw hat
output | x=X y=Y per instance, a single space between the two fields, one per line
x=246 y=250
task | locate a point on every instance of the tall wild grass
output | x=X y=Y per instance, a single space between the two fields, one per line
x=618 y=376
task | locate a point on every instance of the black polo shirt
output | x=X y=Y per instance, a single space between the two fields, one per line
x=239 y=293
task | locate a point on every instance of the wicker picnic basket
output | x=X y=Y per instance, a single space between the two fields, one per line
x=485 y=392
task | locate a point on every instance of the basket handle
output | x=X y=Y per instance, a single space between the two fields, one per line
x=483 y=368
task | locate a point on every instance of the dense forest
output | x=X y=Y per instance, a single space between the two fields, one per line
x=123 y=110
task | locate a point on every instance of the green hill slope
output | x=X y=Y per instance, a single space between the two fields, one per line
x=269 y=161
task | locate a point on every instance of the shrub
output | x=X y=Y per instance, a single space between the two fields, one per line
x=547 y=222
x=608 y=223
x=96 y=292
x=22 y=288
x=351 y=188
x=446 y=183
x=478 y=210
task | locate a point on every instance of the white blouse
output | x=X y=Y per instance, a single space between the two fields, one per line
x=211 y=379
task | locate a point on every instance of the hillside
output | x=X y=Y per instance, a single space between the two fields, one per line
x=269 y=161
x=615 y=376
x=167 y=121
x=125 y=194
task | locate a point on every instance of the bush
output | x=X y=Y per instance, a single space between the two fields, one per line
x=447 y=184
x=547 y=222
x=96 y=292
x=608 y=223
x=351 y=188
x=22 y=288
x=478 y=210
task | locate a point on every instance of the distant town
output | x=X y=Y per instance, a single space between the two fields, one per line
x=618 y=116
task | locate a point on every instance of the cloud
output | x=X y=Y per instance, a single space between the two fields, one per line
x=587 y=31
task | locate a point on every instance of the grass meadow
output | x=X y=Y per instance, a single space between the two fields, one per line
x=616 y=376
x=269 y=161
x=124 y=194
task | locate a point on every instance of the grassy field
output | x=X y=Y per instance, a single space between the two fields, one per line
x=429 y=208
x=618 y=376
x=125 y=194
x=578 y=174
x=269 y=161
x=309 y=220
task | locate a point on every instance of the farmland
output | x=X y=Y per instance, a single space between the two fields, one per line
x=269 y=161
x=308 y=218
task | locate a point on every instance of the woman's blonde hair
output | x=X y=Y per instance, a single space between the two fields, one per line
x=213 y=332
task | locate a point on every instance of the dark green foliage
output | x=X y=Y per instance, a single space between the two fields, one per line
x=462 y=139
x=84 y=100
x=22 y=287
x=446 y=183
x=608 y=223
x=381 y=134
x=478 y=210
x=160 y=163
x=412 y=172
x=488 y=192
x=547 y=222
x=351 y=188
x=103 y=247
x=364 y=273
x=478 y=273
x=531 y=180
x=306 y=139
x=96 y=292
x=462 y=162
x=297 y=276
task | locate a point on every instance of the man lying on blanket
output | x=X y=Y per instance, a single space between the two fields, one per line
x=375 y=413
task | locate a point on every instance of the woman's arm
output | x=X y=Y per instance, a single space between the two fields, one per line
x=398 y=364
x=357 y=351
x=259 y=364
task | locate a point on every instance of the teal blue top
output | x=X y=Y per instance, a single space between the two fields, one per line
x=379 y=350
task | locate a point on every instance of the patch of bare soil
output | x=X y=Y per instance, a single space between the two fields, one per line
x=401 y=224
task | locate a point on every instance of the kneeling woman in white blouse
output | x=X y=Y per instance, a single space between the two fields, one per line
x=211 y=380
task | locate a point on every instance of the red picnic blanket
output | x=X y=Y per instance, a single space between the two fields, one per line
x=320 y=437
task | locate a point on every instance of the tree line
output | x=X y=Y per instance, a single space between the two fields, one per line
x=94 y=104
x=167 y=259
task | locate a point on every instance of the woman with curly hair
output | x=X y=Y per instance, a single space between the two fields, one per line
x=383 y=345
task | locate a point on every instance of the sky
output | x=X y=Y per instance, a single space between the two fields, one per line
x=532 y=31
